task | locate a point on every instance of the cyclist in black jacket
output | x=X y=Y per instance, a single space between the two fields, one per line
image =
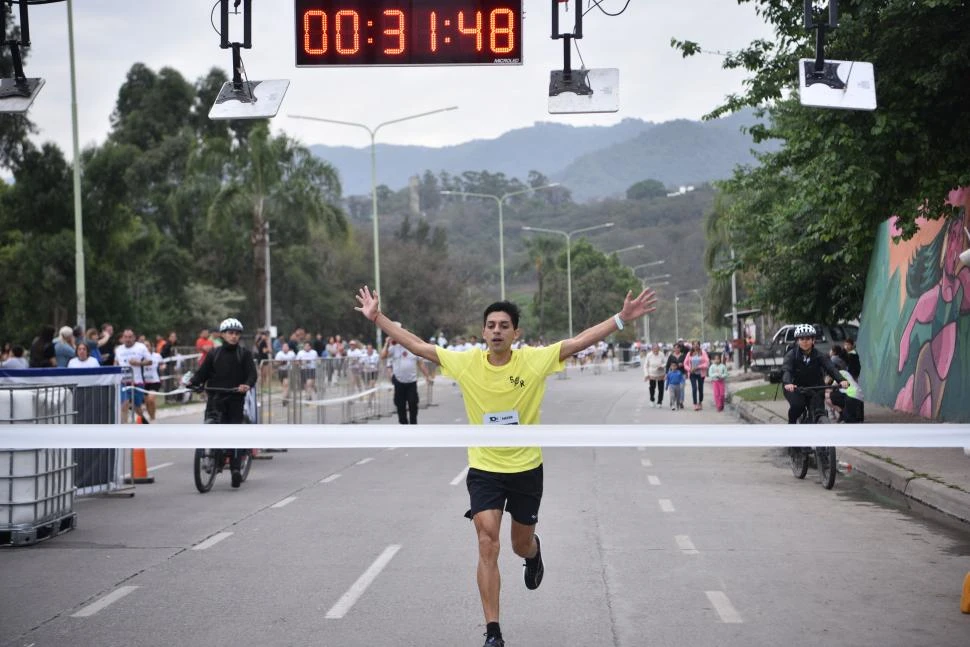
x=229 y=366
x=804 y=365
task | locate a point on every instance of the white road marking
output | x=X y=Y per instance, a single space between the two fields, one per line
x=287 y=501
x=331 y=478
x=646 y=462
x=641 y=449
x=391 y=449
x=666 y=505
x=348 y=599
x=653 y=480
x=723 y=606
x=212 y=541
x=111 y=598
x=160 y=466
x=364 y=461
x=461 y=476
x=685 y=545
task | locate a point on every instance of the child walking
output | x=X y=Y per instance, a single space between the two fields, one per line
x=717 y=373
x=675 y=386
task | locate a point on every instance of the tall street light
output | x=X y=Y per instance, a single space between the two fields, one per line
x=643 y=282
x=569 y=264
x=677 y=321
x=625 y=249
x=373 y=182
x=500 y=200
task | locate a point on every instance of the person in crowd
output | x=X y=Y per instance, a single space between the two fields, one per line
x=42 y=354
x=16 y=360
x=308 y=358
x=153 y=381
x=654 y=373
x=91 y=341
x=64 y=346
x=135 y=356
x=675 y=385
x=107 y=344
x=261 y=352
x=83 y=358
x=675 y=359
x=857 y=407
x=718 y=373
x=203 y=344
x=505 y=387
x=282 y=361
x=697 y=363
x=404 y=376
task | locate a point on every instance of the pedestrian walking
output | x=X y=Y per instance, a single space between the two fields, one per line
x=502 y=386
x=404 y=377
x=675 y=386
x=654 y=364
x=697 y=363
x=718 y=373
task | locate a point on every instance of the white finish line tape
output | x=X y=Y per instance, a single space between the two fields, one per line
x=21 y=436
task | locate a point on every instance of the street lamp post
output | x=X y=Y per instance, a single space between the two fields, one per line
x=626 y=249
x=646 y=317
x=569 y=264
x=676 y=320
x=373 y=182
x=500 y=200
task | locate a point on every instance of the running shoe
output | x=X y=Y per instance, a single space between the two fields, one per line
x=492 y=641
x=533 y=569
x=236 y=478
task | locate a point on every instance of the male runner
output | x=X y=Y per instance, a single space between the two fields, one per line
x=504 y=386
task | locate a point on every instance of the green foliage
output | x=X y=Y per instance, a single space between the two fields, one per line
x=645 y=189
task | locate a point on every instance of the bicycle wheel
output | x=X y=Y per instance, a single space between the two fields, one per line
x=245 y=464
x=827 y=466
x=205 y=469
x=798 y=459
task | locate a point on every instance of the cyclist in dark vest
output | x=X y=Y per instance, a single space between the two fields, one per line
x=230 y=366
x=803 y=366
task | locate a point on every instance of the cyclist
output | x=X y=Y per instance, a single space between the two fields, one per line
x=805 y=366
x=230 y=366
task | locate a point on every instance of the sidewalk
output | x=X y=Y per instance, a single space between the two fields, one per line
x=936 y=477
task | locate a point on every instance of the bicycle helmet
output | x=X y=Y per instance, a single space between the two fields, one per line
x=804 y=330
x=231 y=324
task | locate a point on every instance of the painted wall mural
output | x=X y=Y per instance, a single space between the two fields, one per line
x=914 y=341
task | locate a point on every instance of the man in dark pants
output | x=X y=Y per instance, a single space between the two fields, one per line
x=404 y=376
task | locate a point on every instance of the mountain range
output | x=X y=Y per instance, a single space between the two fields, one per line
x=594 y=162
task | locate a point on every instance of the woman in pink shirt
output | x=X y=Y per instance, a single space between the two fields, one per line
x=696 y=363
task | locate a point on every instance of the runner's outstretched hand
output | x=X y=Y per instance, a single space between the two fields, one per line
x=633 y=309
x=370 y=305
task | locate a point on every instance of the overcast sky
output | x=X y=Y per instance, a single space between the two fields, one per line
x=656 y=84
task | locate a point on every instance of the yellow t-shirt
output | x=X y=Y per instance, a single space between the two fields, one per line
x=509 y=394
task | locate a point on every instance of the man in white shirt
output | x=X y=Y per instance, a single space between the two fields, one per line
x=307 y=357
x=135 y=356
x=283 y=359
x=404 y=377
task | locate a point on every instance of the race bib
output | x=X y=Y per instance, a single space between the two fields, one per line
x=501 y=418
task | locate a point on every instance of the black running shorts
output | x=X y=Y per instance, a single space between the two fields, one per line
x=518 y=493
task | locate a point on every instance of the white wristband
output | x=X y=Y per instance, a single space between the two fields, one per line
x=618 y=321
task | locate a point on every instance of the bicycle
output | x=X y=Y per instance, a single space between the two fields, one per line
x=210 y=462
x=800 y=457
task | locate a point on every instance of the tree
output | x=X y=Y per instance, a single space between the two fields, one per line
x=542 y=252
x=646 y=189
x=840 y=173
x=274 y=180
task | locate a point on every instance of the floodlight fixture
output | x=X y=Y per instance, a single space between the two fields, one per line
x=17 y=94
x=833 y=84
x=584 y=90
x=239 y=99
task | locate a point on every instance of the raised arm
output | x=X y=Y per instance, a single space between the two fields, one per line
x=633 y=308
x=370 y=308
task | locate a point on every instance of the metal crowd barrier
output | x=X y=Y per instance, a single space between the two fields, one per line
x=328 y=391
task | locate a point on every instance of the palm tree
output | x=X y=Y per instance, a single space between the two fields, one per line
x=542 y=252
x=273 y=179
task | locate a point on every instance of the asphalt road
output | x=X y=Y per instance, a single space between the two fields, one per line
x=661 y=546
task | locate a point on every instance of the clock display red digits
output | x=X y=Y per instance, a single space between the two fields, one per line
x=408 y=32
x=476 y=31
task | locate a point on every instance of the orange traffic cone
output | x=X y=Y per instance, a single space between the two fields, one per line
x=139 y=464
x=965 y=599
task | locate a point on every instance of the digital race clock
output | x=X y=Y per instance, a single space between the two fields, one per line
x=408 y=32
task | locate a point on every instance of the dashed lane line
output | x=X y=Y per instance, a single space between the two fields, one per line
x=725 y=610
x=285 y=502
x=331 y=478
x=364 y=461
x=646 y=462
x=685 y=545
x=461 y=476
x=212 y=541
x=653 y=479
x=666 y=505
x=348 y=599
x=104 y=602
